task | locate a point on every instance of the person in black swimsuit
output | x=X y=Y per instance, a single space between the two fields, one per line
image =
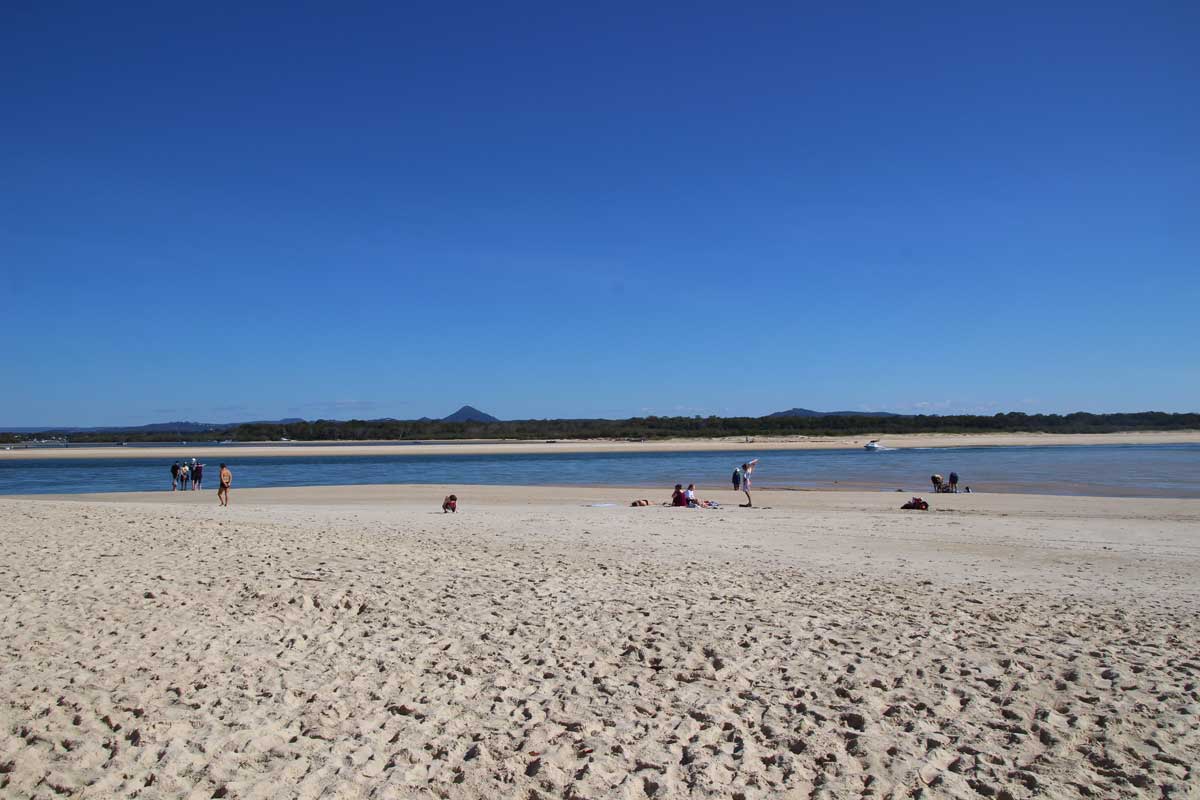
x=226 y=478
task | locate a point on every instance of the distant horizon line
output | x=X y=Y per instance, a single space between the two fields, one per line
x=807 y=412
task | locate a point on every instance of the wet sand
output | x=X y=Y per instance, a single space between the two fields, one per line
x=356 y=642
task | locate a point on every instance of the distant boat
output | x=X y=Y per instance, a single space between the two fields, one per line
x=872 y=445
x=284 y=439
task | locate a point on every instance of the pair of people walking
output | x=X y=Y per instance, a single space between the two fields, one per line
x=184 y=477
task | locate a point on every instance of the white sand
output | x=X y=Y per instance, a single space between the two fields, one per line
x=352 y=642
x=737 y=444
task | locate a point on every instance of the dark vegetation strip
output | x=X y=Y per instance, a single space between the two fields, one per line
x=644 y=428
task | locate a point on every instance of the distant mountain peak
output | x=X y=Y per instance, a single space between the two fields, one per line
x=807 y=412
x=796 y=412
x=469 y=414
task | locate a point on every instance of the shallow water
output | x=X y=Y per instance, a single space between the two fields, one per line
x=1110 y=470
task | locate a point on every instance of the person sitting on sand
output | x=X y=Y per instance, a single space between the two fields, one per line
x=450 y=503
x=677 y=497
x=694 y=501
x=638 y=503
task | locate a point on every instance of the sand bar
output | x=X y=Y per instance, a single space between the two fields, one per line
x=354 y=642
x=738 y=444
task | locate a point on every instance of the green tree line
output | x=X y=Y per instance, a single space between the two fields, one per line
x=651 y=428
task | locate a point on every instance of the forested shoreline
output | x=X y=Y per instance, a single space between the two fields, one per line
x=638 y=428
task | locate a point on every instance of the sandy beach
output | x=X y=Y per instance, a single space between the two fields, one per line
x=487 y=447
x=354 y=642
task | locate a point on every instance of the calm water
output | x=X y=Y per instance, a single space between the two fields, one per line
x=1124 y=470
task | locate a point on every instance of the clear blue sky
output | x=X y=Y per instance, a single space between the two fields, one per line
x=218 y=214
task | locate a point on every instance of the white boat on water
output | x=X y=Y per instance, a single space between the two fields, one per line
x=872 y=445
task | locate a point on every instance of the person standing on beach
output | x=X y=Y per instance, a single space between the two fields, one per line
x=954 y=482
x=183 y=477
x=197 y=474
x=174 y=475
x=747 y=468
x=226 y=479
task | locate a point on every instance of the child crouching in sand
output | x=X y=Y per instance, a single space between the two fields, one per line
x=450 y=503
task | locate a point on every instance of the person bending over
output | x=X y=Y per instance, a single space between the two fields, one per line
x=450 y=504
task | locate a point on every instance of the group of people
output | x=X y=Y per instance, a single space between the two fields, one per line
x=941 y=485
x=191 y=476
x=687 y=498
x=187 y=477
